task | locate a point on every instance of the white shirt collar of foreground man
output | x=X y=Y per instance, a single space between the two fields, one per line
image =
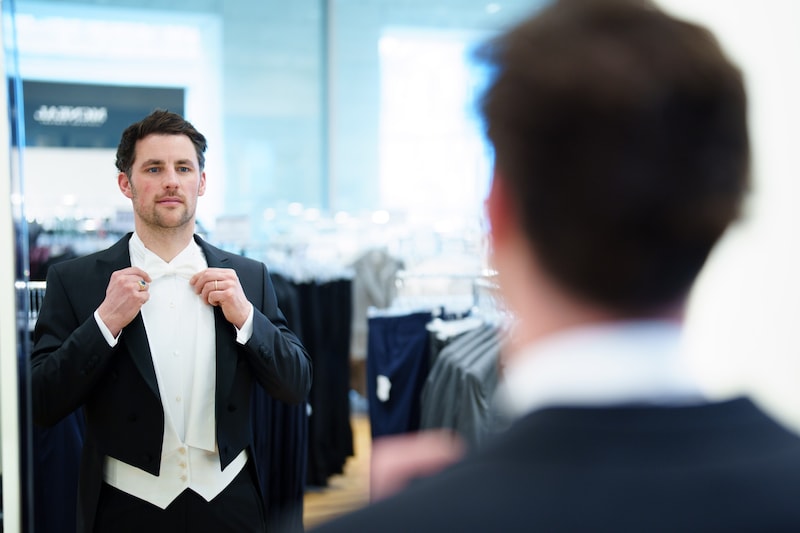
x=635 y=362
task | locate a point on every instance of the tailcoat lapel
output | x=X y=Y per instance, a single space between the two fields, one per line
x=134 y=336
x=224 y=332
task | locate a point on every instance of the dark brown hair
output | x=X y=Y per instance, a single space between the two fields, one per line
x=622 y=135
x=160 y=122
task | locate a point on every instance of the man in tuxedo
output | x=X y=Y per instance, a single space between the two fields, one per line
x=621 y=156
x=160 y=339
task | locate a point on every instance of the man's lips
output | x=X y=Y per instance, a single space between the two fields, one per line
x=170 y=200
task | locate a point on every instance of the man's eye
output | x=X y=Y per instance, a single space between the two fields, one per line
x=152 y=170
x=184 y=169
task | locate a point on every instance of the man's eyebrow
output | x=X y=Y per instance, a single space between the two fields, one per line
x=159 y=162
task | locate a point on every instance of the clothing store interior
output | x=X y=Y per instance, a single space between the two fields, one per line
x=345 y=151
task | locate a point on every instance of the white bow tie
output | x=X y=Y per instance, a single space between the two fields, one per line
x=184 y=269
x=186 y=264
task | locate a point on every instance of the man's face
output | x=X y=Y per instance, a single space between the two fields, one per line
x=165 y=182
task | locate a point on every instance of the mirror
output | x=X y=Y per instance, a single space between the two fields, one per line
x=291 y=96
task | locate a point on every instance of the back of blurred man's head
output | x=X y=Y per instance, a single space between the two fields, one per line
x=620 y=134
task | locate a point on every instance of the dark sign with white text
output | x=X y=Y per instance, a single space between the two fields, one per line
x=74 y=115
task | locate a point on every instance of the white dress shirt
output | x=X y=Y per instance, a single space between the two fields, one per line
x=181 y=335
x=637 y=362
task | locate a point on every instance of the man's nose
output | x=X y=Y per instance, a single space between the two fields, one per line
x=170 y=179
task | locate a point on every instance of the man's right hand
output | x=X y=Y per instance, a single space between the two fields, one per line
x=396 y=460
x=125 y=296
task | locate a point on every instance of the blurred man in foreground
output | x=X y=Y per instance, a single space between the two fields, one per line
x=622 y=155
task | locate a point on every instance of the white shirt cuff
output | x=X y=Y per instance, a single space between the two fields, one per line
x=243 y=335
x=110 y=339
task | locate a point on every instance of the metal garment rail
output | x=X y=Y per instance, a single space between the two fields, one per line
x=31 y=294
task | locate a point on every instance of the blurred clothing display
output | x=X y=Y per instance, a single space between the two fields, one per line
x=459 y=391
x=374 y=285
x=398 y=360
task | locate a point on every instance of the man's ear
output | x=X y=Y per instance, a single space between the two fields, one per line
x=124 y=184
x=499 y=209
x=201 y=188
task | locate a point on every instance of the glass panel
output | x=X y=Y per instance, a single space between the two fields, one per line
x=15 y=312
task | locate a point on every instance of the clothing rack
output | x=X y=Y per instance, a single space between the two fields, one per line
x=30 y=295
x=454 y=291
x=412 y=338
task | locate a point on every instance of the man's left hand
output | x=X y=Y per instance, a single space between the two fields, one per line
x=221 y=287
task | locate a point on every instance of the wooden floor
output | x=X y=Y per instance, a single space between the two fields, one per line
x=347 y=491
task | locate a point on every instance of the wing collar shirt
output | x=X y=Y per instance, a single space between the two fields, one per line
x=181 y=335
x=636 y=362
